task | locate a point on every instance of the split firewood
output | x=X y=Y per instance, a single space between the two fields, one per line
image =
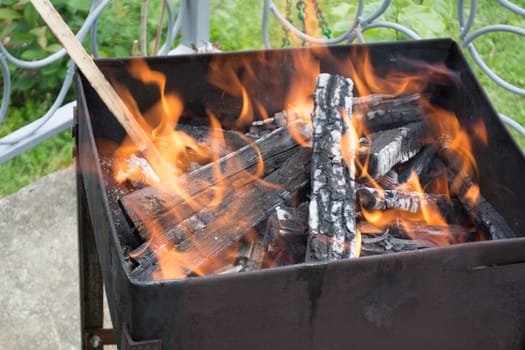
x=286 y=234
x=483 y=215
x=251 y=257
x=181 y=210
x=410 y=202
x=381 y=112
x=441 y=235
x=444 y=235
x=331 y=216
x=238 y=266
x=206 y=235
x=149 y=204
x=255 y=256
x=390 y=147
x=385 y=243
x=222 y=141
x=145 y=259
x=388 y=182
x=419 y=164
x=376 y=112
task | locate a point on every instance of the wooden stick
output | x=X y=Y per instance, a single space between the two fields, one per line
x=101 y=85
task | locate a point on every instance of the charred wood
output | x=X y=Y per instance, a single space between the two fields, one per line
x=146 y=261
x=286 y=235
x=184 y=210
x=331 y=215
x=411 y=202
x=259 y=128
x=381 y=112
x=385 y=243
x=376 y=111
x=222 y=141
x=391 y=147
x=207 y=236
x=252 y=207
x=483 y=215
x=440 y=235
x=151 y=204
x=387 y=182
x=255 y=257
x=419 y=164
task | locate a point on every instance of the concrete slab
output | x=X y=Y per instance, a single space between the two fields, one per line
x=39 y=281
x=39 y=293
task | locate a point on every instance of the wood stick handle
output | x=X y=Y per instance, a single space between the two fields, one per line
x=101 y=85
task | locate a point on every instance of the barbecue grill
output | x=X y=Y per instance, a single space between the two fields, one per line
x=466 y=296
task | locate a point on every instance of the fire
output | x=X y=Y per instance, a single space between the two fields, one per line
x=299 y=102
x=456 y=143
x=228 y=78
x=218 y=206
x=190 y=248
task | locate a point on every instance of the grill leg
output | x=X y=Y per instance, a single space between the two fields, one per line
x=93 y=335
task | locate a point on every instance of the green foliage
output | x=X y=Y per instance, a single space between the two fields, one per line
x=236 y=25
x=26 y=36
x=47 y=157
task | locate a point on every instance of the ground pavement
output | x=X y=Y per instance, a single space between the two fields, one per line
x=39 y=293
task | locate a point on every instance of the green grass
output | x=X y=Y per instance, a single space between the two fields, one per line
x=49 y=156
x=236 y=25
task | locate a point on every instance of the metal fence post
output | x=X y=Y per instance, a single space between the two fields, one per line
x=196 y=23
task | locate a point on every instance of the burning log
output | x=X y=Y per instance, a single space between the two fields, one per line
x=153 y=204
x=419 y=164
x=376 y=112
x=332 y=217
x=381 y=112
x=286 y=235
x=221 y=140
x=451 y=233
x=386 y=243
x=483 y=215
x=391 y=147
x=251 y=258
x=207 y=236
x=441 y=235
x=410 y=202
x=387 y=182
x=255 y=256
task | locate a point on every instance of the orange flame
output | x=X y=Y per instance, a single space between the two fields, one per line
x=237 y=78
x=456 y=143
x=299 y=102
